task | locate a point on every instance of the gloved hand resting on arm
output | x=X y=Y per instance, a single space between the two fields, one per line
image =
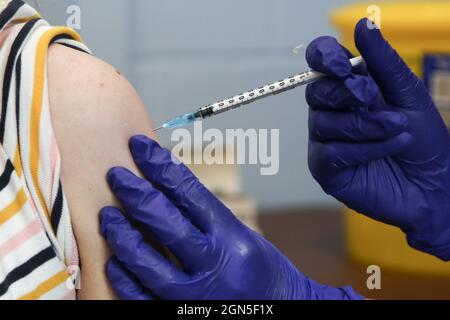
x=221 y=258
x=377 y=141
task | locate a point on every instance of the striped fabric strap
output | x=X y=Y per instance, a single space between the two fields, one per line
x=37 y=246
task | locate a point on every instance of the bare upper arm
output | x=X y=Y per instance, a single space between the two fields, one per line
x=95 y=111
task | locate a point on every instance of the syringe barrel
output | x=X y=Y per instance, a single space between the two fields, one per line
x=259 y=93
x=264 y=91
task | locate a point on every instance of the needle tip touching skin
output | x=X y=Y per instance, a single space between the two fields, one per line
x=375 y=144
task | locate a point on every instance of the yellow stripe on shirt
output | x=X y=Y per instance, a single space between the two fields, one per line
x=28 y=144
x=46 y=286
x=14 y=207
x=23 y=20
x=36 y=104
x=17 y=163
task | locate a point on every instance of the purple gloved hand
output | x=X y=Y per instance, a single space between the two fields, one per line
x=220 y=257
x=377 y=141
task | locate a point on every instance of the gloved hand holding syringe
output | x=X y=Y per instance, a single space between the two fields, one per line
x=248 y=97
x=377 y=143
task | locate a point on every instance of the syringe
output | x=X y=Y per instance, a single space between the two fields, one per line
x=242 y=99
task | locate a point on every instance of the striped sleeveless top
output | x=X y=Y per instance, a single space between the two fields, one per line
x=38 y=253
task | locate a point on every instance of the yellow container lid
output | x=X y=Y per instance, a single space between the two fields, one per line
x=399 y=18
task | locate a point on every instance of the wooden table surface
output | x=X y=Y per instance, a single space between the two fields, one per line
x=314 y=241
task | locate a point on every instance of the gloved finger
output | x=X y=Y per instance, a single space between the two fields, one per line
x=126 y=286
x=179 y=184
x=153 y=270
x=326 y=55
x=161 y=218
x=400 y=86
x=356 y=92
x=339 y=155
x=356 y=126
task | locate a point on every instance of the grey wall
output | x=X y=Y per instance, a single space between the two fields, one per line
x=182 y=54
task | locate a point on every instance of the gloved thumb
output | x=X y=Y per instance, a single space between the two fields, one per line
x=399 y=85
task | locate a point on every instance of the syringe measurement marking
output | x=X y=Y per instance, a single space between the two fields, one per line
x=252 y=95
x=249 y=97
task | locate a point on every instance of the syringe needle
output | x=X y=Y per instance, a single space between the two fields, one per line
x=249 y=97
x=179 y=122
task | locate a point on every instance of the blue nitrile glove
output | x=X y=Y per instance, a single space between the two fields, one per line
x=220 y=257
x=377 y=141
